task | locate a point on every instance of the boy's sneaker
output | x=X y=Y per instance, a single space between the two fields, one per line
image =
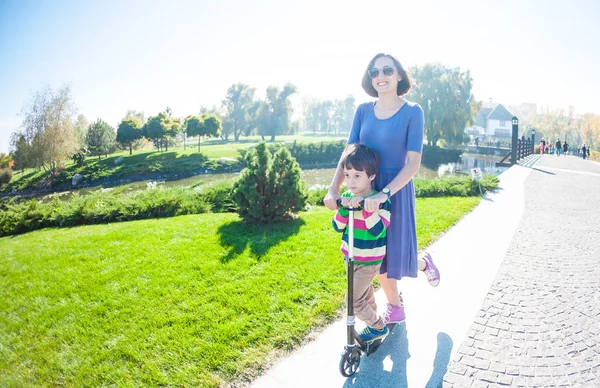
x=369 y=334
x=431 y=271
x=394 y=314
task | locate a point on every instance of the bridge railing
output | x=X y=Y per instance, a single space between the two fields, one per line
x=520 y=148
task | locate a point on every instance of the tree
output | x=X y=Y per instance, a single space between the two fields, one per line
x=270 y=189
x=445 y=95
x=175 y=129
x=205 y=125
x=157 y=128
x=128 y=132
x=6 y=161
x=20 y=151
x=141 y=117
x=590 y=130
x=48 y=129
x=194 y=126
x=100 y=138
x=275 y=112
x=212 y=125
x=238 y=103
x=345 y=115
x=81 y=126
x=172 y=127
x=136 y=115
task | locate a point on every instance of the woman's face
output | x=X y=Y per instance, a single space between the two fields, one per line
x=385 y=83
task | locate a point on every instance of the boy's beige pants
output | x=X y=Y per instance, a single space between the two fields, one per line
x=365 y=307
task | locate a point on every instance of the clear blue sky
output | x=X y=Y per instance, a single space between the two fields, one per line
x=144 y=55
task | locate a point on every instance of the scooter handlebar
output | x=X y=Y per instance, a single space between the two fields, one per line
x=361 y=205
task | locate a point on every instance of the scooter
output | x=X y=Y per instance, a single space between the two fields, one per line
x=355 y=347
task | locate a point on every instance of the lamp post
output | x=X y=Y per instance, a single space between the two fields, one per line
x=515 y=137
x=533 y=140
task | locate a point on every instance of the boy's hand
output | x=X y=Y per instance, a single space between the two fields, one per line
x=353 y=202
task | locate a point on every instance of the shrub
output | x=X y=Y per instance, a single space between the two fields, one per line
x=220 y=197
x=270 y=188
x=79 y=158
x=5 y=176
x=454 y=186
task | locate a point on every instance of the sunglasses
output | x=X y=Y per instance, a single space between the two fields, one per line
x=387 y=71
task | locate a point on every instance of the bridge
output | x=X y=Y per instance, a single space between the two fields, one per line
x=518 y=304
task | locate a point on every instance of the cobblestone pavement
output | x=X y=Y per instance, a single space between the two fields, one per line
x=539 y=325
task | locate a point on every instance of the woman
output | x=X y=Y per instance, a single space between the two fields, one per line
x=394 y=128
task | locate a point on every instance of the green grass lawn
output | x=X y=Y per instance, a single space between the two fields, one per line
x=200 y=300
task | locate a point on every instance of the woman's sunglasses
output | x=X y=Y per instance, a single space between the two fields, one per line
x=387 y=71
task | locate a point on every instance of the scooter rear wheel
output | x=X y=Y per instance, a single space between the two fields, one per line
x=349 y=363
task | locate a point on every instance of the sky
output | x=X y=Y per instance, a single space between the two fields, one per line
x=148 y=55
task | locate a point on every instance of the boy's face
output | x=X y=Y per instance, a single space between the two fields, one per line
x=358 y=182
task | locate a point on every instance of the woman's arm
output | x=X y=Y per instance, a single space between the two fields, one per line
x=333 y=194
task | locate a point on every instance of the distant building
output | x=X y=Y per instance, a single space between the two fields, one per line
x=526 y=109
x=493 y=121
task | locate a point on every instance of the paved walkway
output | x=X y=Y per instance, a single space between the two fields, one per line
x=539 y=325
x=518 y=304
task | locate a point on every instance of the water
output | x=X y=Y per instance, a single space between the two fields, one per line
x=313 y=177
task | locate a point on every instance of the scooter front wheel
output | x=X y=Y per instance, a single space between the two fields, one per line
x=350 y=362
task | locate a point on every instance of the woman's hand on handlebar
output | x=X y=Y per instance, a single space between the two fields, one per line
x=372 y=203
x=330 y=200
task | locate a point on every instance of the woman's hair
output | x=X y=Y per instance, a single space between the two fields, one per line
x=403 y=85
x=359 y=157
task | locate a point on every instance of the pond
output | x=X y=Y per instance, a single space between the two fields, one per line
x=312 y=177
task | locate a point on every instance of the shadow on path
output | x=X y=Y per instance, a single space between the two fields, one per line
x=441 y=361
x=387 y=366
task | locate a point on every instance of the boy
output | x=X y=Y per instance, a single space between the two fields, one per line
x=360 y=167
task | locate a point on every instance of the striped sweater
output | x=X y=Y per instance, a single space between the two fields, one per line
x=369 y=232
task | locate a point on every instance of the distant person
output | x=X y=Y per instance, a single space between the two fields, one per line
x=542 y=148
x=394 y=128
x=360 y=165
x=558 y=148
x=584 y=151
x=589 y=150
x=565 y=148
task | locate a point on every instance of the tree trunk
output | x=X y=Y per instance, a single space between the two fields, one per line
x=199 y=137
x=272 y=138
x=130 y=150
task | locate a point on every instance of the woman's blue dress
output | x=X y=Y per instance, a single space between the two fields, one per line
x=392 y=138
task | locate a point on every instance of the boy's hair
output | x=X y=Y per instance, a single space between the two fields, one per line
x=360 y=158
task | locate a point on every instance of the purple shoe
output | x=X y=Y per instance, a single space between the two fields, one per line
x=431 y=271
x=394 y=314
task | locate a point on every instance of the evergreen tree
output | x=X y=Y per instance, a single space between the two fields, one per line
x=100 y=139
x=270 y=189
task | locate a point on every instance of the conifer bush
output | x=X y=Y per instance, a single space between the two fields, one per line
x=5 y=176
x=270 y=188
